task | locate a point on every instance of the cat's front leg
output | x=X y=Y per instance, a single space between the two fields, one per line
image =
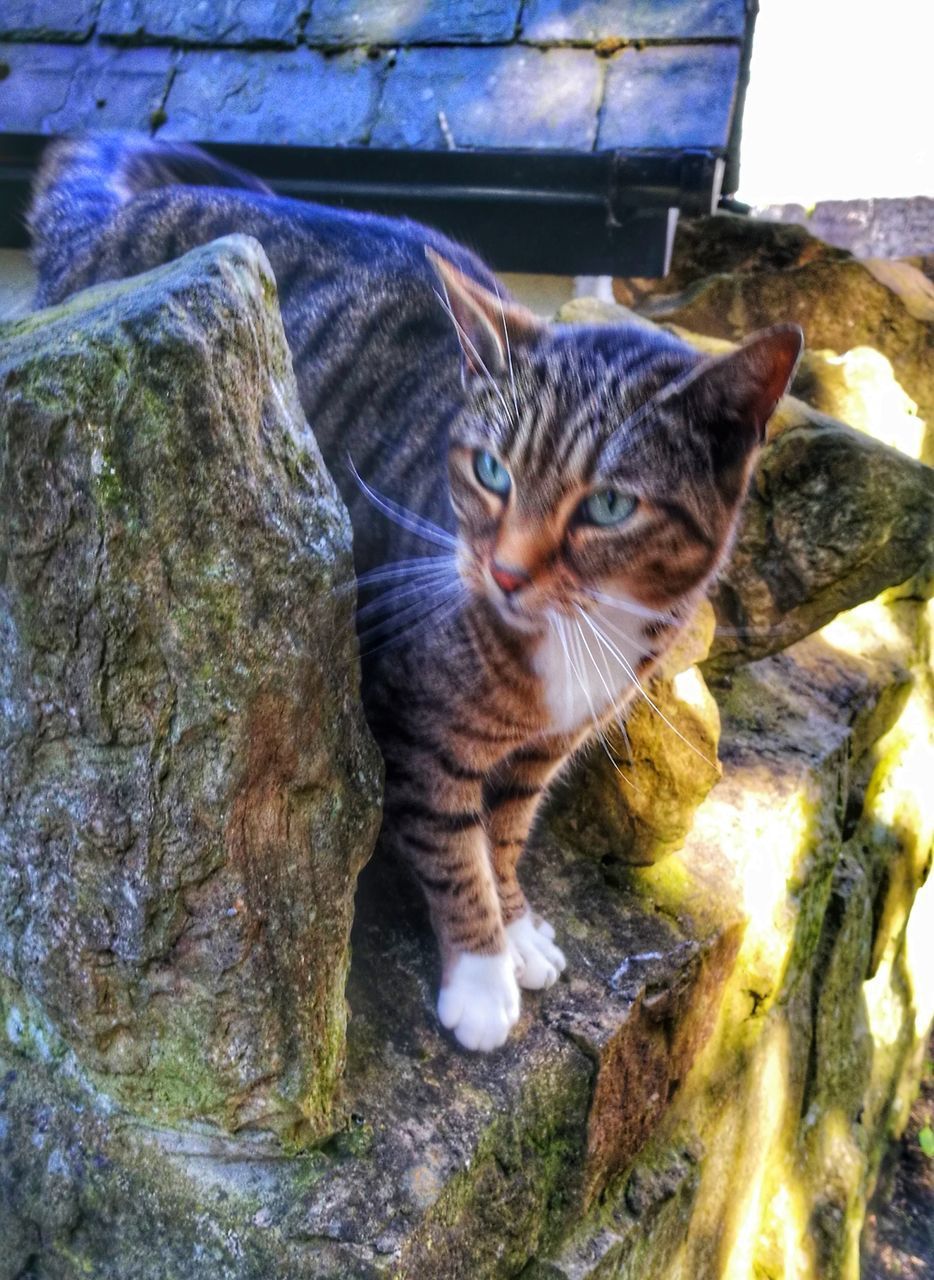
x=511 y=799
x=435 y=820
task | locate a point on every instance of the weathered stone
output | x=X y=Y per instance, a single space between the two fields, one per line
x=764 y=1160
x=908 y=281
x=399 y=22
x=450 y=1164
x=669 y=97
x=251 y=97
x=221 y=22
x=705 y=1095
x=707 y=1091
x=515 y=97
x=838 y=303
x=61 y=89
x=887 y=228
x=601 y=20
x=833 y=517
x=187 y=787
x=726 y=243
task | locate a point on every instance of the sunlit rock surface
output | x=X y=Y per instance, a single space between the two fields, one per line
x=832 y=518
x=187 y=792
x=733 y=275
x=820 y=835
x=707 y=1092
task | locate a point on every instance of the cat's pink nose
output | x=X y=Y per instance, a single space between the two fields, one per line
x=507 y=577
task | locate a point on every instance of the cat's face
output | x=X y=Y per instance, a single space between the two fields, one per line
x=603 y=462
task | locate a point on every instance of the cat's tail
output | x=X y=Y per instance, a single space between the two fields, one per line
x=83 y=183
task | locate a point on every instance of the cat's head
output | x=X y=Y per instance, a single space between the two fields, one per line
x=599 y=461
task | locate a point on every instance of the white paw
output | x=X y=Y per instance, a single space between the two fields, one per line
x=536 y=958
x=479 y=1000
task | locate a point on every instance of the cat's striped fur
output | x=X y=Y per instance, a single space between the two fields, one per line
x=509 y=626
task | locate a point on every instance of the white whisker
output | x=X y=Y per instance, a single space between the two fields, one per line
x=611 y=696
x=569 y=641
x=415 y=610
x=630 y=641
x=402 y=516
x=598 y=730
x=442 y=298
x=443 y=608
x=630 y=606
x=403 y=569
x=512 y=376
x=555 y=622
x=630 y=671
x=406 y=591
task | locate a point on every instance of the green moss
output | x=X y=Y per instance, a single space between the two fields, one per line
x=109 y=488
x=178 y=1082
x=25 y=1027
x=270 y=292
x=522 y=1185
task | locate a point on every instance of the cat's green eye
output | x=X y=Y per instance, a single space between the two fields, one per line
x=491 y=473
x=607 y=507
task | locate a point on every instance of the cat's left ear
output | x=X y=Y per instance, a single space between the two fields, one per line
x=741 y=390
x=488 y=325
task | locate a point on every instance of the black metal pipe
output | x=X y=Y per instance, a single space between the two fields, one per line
x=553 y=211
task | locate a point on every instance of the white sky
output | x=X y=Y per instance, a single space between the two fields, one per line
x=840 y=102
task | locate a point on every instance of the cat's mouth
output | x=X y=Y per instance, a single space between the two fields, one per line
x=525 y=610
x=516 y=613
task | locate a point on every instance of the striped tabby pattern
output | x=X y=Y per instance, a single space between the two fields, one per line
x=536 y=508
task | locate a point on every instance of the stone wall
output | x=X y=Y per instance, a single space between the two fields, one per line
x=706 y=1094
x=891 y=228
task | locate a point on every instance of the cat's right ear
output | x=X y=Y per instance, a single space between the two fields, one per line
x=736 y=394
x=488 y=326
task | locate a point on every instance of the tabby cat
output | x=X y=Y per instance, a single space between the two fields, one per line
x=539 y=505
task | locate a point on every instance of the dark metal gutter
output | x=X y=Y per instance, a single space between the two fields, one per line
x=731 y=172
x=568 y=213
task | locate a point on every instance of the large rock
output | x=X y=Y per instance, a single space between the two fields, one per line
x=450 y=1164
x=704 y=1096
x=187 y=786
x=712 y=1083
x=733 y=276
x=726 y=244
x=833 y=517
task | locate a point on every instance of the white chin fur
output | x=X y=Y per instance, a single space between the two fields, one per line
x=479 y=1000
x=538 y=961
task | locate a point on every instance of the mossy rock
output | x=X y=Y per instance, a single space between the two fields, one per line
x=189 y=787
x=727 y=243
x=765 y=1160
x=839 y=305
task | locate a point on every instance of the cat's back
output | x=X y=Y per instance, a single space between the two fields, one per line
x=110 y=207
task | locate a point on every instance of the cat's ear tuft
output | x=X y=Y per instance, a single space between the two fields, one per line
x=488 y=325
x=752 y=379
